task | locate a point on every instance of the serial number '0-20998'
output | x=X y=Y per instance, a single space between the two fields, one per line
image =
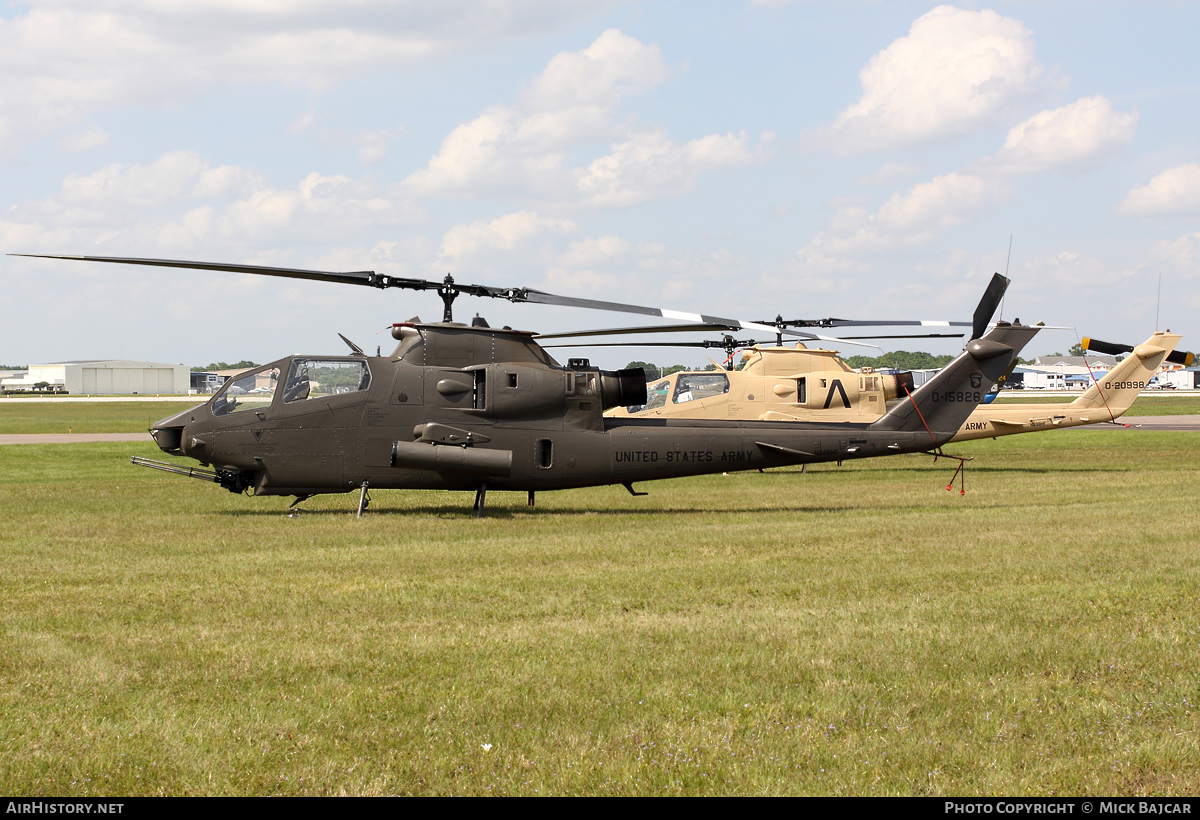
x=963 y=395
x=1125 y=385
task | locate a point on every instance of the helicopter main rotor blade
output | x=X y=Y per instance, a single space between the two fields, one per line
x=624 y=331
x=831 y=323
x=706 y=344
x=982 y=317
x=342 y=277
x=447 y=289
x=696 y=319
x=383 y=281
x=910 y=336
x=368 y=278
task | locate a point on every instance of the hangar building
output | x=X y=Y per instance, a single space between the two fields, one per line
x=106 y=377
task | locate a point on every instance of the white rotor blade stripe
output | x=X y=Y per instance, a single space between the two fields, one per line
x=681 y=316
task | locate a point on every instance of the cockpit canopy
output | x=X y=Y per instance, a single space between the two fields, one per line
x=307 y=378
x=254 y=390
x=681 y=388
x=315 y=378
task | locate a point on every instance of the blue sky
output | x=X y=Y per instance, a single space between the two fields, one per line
x=858 y=160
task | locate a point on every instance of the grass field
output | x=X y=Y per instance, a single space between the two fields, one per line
x=84 y=417
x=852 y=630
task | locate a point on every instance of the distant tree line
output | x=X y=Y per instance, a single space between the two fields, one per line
x=654 y=371
x=14 y=367
x=902 y=359
x=242 y=365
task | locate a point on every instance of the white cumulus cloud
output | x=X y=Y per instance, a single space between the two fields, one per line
x=648 y=166
x=63 y=60
x=587 y=253
x=943 y=202
x=955 y=71
x=906 y=220
x=596 y=76
x=1078 y=135
x=504 y=233
x=1182 y=254
x=1174 y=192
x=175 y=177
x=181 y=201
x=571 y=105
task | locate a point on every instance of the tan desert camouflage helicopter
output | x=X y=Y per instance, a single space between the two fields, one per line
x=780 y=383
x=776 y=383
x=1110 y=394
x=475 y=408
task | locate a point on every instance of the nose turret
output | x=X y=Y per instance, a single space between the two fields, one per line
x=168 y=433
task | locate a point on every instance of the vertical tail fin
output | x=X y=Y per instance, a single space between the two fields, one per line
x=1117 y=389
x=942 y=404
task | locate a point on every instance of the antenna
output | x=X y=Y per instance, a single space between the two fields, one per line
x=1158 y=306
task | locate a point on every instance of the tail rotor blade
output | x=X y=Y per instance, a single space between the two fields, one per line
x=1107 y=348
x=1182 y=357
x=988 y=304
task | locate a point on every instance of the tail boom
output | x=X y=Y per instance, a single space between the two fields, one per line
x=1107 y=399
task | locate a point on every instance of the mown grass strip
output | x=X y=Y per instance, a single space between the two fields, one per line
x=84 y=417
x=853 y=630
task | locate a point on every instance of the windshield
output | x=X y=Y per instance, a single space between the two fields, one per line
x=250 y=391
x=656 y=396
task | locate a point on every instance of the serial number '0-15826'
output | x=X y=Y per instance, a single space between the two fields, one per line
x=962 y=395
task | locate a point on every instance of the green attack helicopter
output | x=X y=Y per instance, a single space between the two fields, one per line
x=472 y=407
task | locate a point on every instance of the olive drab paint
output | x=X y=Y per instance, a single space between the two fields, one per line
x=463 y=407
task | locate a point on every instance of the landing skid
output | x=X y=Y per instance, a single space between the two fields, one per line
x=364 y=499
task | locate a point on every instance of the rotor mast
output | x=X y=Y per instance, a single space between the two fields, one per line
x=448 y=293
